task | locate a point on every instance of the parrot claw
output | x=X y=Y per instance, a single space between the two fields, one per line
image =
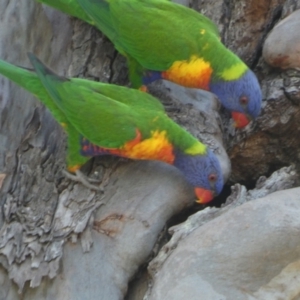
x=80 y=177
x=92 y=180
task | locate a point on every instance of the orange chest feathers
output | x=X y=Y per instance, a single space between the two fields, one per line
x=156 y=147
x=192 y=73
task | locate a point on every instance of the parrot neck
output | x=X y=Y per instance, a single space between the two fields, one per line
x=183 y=162
x=225 y=76
x=179 y=158
x=218 y=88
x=231 y=68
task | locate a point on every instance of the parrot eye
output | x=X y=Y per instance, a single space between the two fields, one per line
x=244 y=100
x=212 y=177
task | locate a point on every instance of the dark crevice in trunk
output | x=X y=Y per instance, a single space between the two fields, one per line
x=227 y=8
x=276 y=15
x=112 y=61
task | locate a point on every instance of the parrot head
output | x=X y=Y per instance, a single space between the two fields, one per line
x=203 y=172
x=242 y=97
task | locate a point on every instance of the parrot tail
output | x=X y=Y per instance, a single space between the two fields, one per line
x=21 y=76
x=46 y=76
x=29 y=80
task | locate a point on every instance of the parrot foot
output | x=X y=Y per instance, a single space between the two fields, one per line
x=92 y=180
x=80 y=177
x=144 y=88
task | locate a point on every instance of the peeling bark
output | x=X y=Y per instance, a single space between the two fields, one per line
x=43 y=215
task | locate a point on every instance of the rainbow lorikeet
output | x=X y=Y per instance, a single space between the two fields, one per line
x=165 y=40
x=102 y=119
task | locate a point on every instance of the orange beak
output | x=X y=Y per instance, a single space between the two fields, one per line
x=240 y=119
x=204 y=196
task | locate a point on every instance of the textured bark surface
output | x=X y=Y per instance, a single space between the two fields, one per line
x=59 y=240
x=207 y=264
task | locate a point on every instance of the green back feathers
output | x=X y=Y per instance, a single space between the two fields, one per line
x=122 y=94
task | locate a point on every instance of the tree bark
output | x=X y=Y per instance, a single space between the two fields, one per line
x=59 y=240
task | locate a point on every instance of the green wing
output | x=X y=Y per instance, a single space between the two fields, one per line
x=70 y=7
x=29 y=80
x=99 y=12
x=91 y=112
x=154 y=43
x=132 y=98
x=151 y=33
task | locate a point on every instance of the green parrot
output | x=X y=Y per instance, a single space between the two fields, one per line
x=106 y=119
x=165 y=40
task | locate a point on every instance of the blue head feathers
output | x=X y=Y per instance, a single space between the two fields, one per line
x=242 y=97
x=203 y=172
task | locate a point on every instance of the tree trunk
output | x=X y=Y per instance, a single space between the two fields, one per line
x=60 y=240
